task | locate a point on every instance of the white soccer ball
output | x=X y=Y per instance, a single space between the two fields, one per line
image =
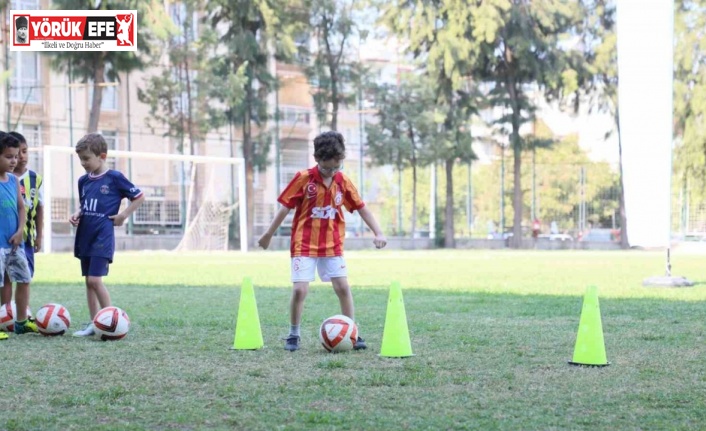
x=7 y=316
x=111 y=323
x=53 y=319
x=338 y=333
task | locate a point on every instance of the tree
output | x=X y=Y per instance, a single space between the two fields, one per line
x=96 y=66
x=332 y=63
x=440 y=38
x=247 y=30
x=522 y=55
x=599 y=81
x=690 y=95
x=401 y=133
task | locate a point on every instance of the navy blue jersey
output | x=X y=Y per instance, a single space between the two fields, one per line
x=100 y=197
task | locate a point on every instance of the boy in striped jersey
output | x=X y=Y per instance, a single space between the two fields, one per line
x=31 y=190
x=319 y=195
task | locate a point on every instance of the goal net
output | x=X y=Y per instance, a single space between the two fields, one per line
x=192 y=203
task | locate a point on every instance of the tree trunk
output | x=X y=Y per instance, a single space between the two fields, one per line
x=624 y=243
x=449 y=241
x=98 y=79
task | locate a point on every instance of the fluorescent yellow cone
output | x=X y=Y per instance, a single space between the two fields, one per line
x=395 y=337
x=248 y=335
x=590 y=348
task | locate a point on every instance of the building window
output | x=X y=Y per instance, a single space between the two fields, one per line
x=178 y=14
x=25 y=4
x=24 y=84
x=111 y=138
x=33 y=136
x=109 y=102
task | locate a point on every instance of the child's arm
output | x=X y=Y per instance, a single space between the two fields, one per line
x=118 y=219
x=39 y=222
x=75 y=218
x=16 y=239
x=380 y=241
x=264 y=240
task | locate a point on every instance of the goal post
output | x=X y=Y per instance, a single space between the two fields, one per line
x=194 y=195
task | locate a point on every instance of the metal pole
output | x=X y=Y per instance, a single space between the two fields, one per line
x=399 y=200
x=278 y=162
x=534 y=185
x=469 y=200
x=48 y=197
x=8 y=103
x=502 y=191
x=130 y=222
x=71 y=143
x=432 y=203
x=361 y=152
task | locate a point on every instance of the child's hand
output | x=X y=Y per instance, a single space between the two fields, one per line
x=37 y=244
x=264 y=240
x=118 y=219
x=380 y=241
x=75 y=218
x=16 y=240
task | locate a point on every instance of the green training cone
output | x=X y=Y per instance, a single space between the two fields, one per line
x=395 y=337
x=590 y=348
x=248 y=335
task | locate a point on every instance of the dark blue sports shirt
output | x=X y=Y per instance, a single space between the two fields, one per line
x=100 y=197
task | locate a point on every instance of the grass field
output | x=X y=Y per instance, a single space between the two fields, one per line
x=492 y=332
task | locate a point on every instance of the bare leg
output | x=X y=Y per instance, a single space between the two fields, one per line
x=6 y=293
x=22 y=301
x=97 y=295
x=296 y=305
x=343 y=291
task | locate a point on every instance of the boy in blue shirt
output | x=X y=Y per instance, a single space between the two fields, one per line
x=31 y=191
x=12 y=223
x=101 y=191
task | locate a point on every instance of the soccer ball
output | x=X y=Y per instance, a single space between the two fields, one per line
x=53 y=319
x=7 y=316
x=338 y=333
x=111 y=323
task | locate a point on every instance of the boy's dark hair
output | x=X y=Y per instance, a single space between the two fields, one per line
x=8 y=141
x=329 y=145
x=18 y=136
x=93 y=142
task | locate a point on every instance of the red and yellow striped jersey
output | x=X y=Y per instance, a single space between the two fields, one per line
x=319 y=227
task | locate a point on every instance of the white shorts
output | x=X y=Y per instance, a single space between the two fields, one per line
x=303 y=268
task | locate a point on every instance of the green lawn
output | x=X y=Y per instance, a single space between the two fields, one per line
x=492 y=332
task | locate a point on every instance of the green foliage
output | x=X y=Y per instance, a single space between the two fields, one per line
x=332 y=65
x=690 y=94
x=190 y=94
x=95 y=66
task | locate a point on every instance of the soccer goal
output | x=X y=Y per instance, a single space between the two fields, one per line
x=192 y=203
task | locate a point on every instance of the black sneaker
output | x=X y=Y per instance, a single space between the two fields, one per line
x=291 y=343
x=360 y=344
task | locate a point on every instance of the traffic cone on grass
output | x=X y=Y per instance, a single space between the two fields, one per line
x=590 y=347
x=395 y=336
x=248 y=334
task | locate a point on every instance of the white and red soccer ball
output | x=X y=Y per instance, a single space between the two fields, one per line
x=338 y=333
x=53 y=319
x=111 y=323
x=7 y=316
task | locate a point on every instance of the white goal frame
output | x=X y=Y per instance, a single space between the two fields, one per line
x=239 y=162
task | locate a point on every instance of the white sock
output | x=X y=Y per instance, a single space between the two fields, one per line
x=294 y=330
